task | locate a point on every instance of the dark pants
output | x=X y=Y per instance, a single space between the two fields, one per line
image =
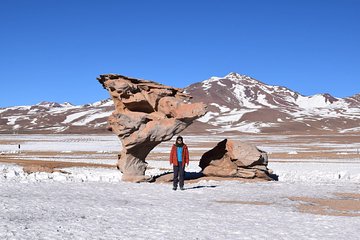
x=179 y=173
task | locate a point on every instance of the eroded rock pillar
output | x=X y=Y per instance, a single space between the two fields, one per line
x=146 y=114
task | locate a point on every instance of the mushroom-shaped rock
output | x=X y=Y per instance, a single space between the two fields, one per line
x=146 y=114
x=230 y=158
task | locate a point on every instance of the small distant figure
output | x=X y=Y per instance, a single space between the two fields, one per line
x=179 y=157
x=19 y=146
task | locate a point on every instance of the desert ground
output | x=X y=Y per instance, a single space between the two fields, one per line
x=67 y=186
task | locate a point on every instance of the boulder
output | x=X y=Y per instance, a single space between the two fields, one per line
x=230 y=158
x=146 y=114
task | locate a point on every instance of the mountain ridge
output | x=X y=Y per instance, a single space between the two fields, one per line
x=236 y=103
x=241 y=103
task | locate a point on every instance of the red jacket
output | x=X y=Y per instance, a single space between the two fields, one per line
x=185 y=156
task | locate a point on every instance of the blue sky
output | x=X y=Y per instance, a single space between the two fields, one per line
x=54 y=50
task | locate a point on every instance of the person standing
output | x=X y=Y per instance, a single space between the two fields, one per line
x=179 y=157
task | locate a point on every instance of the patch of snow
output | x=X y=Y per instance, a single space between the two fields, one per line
x=70 y=118
x=221 y=84
x=15 y=173
x=235 y=77
x=233 y=116
x=66 y=104
x=207 y=83
x=59 y=110
x=222 y=108
x=61 y=129
x=252 y=127
x=103 y=103
x=101 y=124
x=34 y=121
x=103 y=151
x=239 y=93
x=207 y=117
x=247 y=128
x=12 y=119
x=293 y=152
x=91 y=118
x=349 y=130
x=317 y=172
x=229 y=118
x=261 y=98
x=9 y=152
x=20 y=108
x=33 y=111
x=316 y=101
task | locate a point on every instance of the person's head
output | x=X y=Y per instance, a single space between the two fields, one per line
x=179 y=140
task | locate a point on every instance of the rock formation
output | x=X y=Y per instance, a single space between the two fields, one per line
x=235 y=159
x=146 y=114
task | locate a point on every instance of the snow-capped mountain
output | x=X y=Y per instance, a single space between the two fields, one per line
x=50 y=117
x=235 y=103
x=240 y=103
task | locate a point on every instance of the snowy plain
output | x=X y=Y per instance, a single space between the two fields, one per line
x=96 y=210
x=93 y=203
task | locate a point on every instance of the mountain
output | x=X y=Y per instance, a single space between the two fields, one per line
x=49 y=117
x=236 y=103
x=241 y=103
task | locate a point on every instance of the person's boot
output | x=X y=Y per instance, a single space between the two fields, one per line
x=174 y=188
x=182 y=188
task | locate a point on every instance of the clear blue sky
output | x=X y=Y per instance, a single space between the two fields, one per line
x=53 y=50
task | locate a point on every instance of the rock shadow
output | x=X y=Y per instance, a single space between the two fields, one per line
x=202 y=186
x=168 y=176
x=193 y=175
x=274 y=176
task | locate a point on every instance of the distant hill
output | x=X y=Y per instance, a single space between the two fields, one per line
x=236 y=103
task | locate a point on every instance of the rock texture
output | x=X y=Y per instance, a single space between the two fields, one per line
x=235 y=159
x=146 y=114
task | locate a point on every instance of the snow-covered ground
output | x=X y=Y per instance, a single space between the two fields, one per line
x=206 y=210
x=316 y=172
x=103 y=149
x=14 y=173
x=93 y=203
x=60 y=143
x=287 y=172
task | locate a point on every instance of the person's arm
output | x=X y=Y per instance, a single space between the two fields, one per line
x=172 y=155
x=186 y=152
